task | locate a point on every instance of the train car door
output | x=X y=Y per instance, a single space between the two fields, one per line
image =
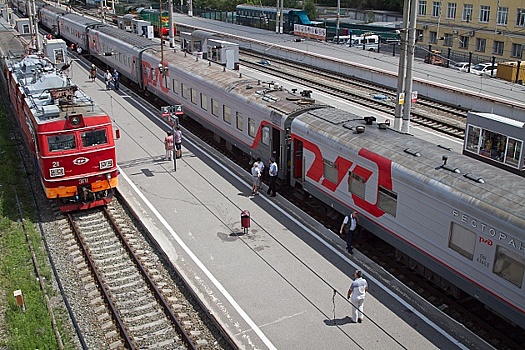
x=297 y=162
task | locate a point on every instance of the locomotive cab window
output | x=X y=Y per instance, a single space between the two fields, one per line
x=94 y=137
x=462 y=240
x=62 y=142
x=509 y=265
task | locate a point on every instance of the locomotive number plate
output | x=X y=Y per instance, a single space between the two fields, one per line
x=55 y=172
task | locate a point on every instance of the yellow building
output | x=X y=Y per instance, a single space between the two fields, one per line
x=485 y=28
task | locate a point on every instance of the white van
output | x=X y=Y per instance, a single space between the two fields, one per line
x=341 y=40
x=371 y=42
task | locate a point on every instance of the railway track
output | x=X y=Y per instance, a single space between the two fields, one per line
x=138 y=304
x=432 y=114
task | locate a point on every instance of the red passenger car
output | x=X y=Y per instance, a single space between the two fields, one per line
x=69 y=136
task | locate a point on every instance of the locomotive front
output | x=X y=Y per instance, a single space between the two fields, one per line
x=78 y=161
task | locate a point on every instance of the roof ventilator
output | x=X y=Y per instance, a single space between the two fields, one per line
x=412 y=152
x=448 y=167
x=475 y=178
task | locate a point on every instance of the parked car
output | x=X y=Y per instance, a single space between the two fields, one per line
x=485 y=69
x=462 y=66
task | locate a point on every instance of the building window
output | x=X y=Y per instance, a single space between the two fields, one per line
x=520 y=18
x=387 y=201
x=462 y=240
x=215 y=107
x=463 y=42
x=227 y=114
x=502 y=16
x=449 y=39
x=451 y=10
x=330 y=171
x=422 y=8
x=193 y=96
x=481 y=44
x=509 y=265
x=251 y=127
x=356 y=185
x=484 y=14
x=467 y=13
x=204 y=102
x=433 y=38
x=239 y=120
x=436 y=9
x=185 y=91
x=175 y=86
x=419 y=35
x=517 y=50
x=497 y=49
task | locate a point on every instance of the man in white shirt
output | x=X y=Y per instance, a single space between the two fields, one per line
x=356 y=293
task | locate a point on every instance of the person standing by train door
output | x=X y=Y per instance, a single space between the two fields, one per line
x=116 y=76
x=349 y=226
x=107 y=79
x=273 y=171
x=168 y=146
x=356 y=293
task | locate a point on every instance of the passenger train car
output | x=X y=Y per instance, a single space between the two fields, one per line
x=68 y=135
x=457 y=218
x=266 y=17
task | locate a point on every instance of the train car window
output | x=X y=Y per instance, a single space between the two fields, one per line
x=251 y=127
x=356 y=185
x=94 y=137
x=215 y=107
x=204 y=101
x=193 y=96
x=185 y=91
x=509 y=265
x=387 y=201
x=330 y=171
x=462 y=240
x=265 y=139
x=473 y=137
x=239 y=120
x=61 y=142
x=175 y=86
x=513 y=155
x=227 y=114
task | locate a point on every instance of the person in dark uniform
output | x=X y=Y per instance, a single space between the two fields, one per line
x=349 y=227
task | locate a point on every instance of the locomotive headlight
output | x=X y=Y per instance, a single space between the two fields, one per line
x=106 y=164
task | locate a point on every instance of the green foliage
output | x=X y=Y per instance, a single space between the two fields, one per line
x=31 y=329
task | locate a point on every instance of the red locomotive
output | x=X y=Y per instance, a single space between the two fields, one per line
x=69 y=136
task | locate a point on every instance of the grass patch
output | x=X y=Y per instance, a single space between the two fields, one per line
x=32 y=328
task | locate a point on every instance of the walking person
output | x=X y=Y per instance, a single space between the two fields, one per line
x=256 y=178
x=107 y=79
x=168 y=146
x=356 y=293
x=177 y=135
x=116 y=76
x=273 y=171
x=349 y=226
x=93 y=73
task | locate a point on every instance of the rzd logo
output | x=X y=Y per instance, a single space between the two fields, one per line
x=486 y=241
